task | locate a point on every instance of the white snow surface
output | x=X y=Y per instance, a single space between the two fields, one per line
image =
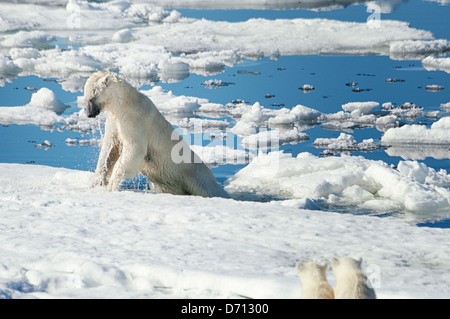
x=61 y=239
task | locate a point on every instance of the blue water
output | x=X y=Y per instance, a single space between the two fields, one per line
x=280 y=79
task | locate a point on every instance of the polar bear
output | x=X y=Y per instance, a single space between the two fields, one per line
x=138 y=139
x=351 y=282
x=314 y=281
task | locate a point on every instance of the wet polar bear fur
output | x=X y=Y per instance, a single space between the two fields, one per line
x=314 y=281
x=138 y=139
x=351 y=282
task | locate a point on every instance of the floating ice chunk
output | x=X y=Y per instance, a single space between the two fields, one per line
x=167 y=102
x=338 y=180
x=244 y=128
x=90 y=142
x=45 y=145
x=200 y=124
x=210 y=62
x=180 y=104
x=22 y=115
x=256 y=114
x=305 y=114
x=345 y=142
x=222 y=154
x=173 y=71
x=71 y=141
x=262 y=37
x=47 y=99
x=364 y=107
x=417 y=49
x=445 y=105
x=345 y=120
x=433 y=63
x=438 y=133
x=387 y=120
x=394 y=80
x=432 y=88
x=212 y=108
x=272 y=139
x=306 y=88
x=408 y=110
x=299 y=113
x=213 y=84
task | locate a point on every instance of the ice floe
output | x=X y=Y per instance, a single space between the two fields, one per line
x=345 y=143
x=437 y=134
x=47 y=99
x=336 y=180
x=29 y=115
x=436 y=63
x=416 y=48
x=151 y=44
x=273 y=139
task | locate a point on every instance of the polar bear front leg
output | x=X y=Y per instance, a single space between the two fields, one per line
x=128 y=165
x=109 y=154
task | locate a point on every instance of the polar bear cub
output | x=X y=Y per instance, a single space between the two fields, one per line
x=314 y=281
x=138 y=139
x=351 y=282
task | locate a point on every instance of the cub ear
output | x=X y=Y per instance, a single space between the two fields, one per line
x=299 y=266
x=334 y=262
x=323 y=266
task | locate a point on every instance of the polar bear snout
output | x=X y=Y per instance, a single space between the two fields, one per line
x=92 y=108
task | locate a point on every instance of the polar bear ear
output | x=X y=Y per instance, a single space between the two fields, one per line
x=103 y=82
x=323 y=266
x=299 y=266
x=106 y=79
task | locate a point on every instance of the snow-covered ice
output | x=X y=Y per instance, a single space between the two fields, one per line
x=345 y=180
x=436 y=134
x=435 y=63
x=47 y=99
x=69 y=241
x=150 y=44
x=345 y=143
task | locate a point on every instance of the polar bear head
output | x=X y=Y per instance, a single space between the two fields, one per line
x=98 y=91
